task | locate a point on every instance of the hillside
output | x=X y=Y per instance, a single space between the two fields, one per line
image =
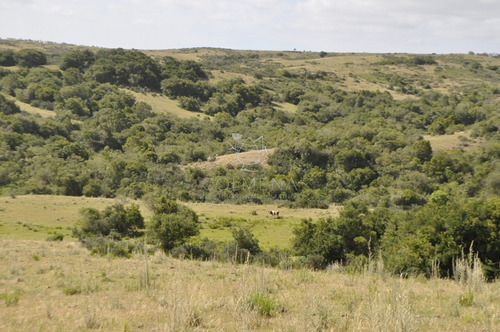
x=406 y=144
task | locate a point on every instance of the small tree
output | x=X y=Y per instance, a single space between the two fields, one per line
x=31 y=58
x=245 y=239
x=79 y=59
x=125 y=221
x=172 y=223
x=7 y=58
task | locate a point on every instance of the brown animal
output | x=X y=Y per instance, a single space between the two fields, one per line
x=274 y=213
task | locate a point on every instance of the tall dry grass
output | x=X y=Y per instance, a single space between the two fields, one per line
x=165 y=294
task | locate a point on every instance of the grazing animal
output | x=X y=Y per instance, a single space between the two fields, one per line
x=274 y=213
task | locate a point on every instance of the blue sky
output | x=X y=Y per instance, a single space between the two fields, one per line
x=425 y=26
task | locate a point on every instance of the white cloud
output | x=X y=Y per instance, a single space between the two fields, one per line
x=343 y=25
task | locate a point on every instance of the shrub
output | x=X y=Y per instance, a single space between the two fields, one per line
x=31 y=58
x=11 y=298
x=125 y=221
x=106 y=246
x=263 y=304
x=466 y=299
x=55 y=237
x=72 y=290
x=246 y=239
x=172 y=223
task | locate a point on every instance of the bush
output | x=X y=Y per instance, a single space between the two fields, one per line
x=55 y=237
x=7 y=106
x=31 y=58
x=107 y=246
x=7 y=58
x=125 y=221
x=190 y=104
x=246 y=239
x=263 y=304
x=172 y=223
x=11 y=298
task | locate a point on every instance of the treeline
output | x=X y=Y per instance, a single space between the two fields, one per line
x=339 y=145
x=418 y=241
x=24 y=58
x=346 y=147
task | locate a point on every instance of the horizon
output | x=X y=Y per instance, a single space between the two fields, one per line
x=372 y=26
x=240 y=50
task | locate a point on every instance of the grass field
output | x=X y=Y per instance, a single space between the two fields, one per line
x=31 y=109
x=36 y=217
x=458 y=140
x=162 y=104
x=59 y=286
x=258 y=156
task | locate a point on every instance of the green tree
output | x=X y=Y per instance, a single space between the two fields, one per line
x=79 y=59
x=125 y=221
x=245 y=239
x=7 y=106
x=31 y=58
x=125 y=67
x=172 y=223
x=7 y=58
x=422 y=150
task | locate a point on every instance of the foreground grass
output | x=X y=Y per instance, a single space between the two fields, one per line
x=59 y=286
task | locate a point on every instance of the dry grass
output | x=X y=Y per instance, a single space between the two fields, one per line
x=219 y=75
x=31 y=109
x=458 y=140
x=287 y=107
x=162 y=104
x=163 y=294
x=235 y=159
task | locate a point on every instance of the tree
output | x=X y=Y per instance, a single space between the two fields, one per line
x=124 y=67
x=422 y=150
x=31 y=58
x=172 y=223
x=125 y=221
x=7 y=58
x=78 y=59
x=245 y=239
x=318 y=239
x=7 y=106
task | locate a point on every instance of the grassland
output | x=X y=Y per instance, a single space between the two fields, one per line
x=29 y=108
x=235 y=159
x=162 y=104
x=458 y=140
x=59 y=286
x=36 y=217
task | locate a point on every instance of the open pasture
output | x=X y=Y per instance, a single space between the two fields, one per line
x=38 y=216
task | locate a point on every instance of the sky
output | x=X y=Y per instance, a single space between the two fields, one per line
x=381 y=26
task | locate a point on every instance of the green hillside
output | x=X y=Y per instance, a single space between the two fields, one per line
x=408 y=144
